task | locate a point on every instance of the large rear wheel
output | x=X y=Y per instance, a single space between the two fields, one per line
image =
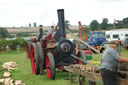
x=50 y=66
x=34 y=59
x=41 y=57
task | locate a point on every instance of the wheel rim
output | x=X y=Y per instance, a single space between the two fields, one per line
x=33 y=63
x=48 y=67
x=27 y=52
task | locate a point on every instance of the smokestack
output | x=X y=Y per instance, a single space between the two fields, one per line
x=61 y=23
x=40 y=31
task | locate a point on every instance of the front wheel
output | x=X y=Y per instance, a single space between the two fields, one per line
x=50 y=66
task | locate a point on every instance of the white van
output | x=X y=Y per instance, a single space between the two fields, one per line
x=115 y=34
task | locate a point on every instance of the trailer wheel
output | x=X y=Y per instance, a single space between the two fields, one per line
x=28 y=48
x=34 y=59
x=41 y=57
x=50 y=66
x=82 y=56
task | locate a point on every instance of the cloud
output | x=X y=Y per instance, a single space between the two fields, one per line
x=22 y=12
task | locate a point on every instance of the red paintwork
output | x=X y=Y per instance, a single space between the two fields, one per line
x=48 y=67
x=78 y=61
x=78 y=54
x=33 y=64
x=85 y=51
x=61 y=67
x=81 y=29
x=27 y=50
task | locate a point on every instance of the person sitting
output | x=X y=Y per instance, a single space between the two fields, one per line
x=50 y=33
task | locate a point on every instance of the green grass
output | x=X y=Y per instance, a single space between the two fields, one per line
x=24 y=71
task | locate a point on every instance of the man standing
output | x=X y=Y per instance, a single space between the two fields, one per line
x=109 y=65
x=119 y=45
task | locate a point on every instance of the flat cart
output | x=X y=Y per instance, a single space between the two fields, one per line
x=93 y=77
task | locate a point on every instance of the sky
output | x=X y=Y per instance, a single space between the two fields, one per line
x=22 y=12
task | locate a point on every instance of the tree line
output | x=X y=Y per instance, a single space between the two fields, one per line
x=104 y=25
x=94 y=25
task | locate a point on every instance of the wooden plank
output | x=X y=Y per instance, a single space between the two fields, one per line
x=95 y=76
x=123 y=72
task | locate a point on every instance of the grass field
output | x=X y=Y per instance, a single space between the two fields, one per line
x=24 y=72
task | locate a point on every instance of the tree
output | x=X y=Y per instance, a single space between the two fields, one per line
x=3 y=33
x=67 y=24
x=104 y=24
x=34 y=24
x=86 y=29
x=29 y=24
x=94 y=25
x=3 y=43
x=125 y=21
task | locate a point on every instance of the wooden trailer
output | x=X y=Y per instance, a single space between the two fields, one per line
x=92 y=76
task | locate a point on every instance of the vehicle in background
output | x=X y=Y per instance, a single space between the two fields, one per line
x=95 y=39
x=115 y=34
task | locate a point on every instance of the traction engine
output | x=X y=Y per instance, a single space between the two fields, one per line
x=51 y=52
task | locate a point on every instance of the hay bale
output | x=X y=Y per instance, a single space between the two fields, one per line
x=19 y=82
x=11 y=82
x=10 y=66
x=6 y=82
x=7 y=74
x=2 y=81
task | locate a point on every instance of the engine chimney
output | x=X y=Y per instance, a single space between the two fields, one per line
x=61 y=23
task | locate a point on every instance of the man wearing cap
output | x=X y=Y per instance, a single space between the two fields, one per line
x=109 y=65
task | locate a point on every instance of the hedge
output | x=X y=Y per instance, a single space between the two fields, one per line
x=12 y=44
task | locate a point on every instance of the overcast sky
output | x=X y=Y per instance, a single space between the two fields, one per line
x=23 y=12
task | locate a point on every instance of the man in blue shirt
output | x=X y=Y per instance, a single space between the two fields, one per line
x=109 y=65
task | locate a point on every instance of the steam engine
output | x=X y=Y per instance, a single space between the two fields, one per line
x=51 y=52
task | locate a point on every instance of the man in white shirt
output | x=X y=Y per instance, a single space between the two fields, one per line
x=51 y=31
